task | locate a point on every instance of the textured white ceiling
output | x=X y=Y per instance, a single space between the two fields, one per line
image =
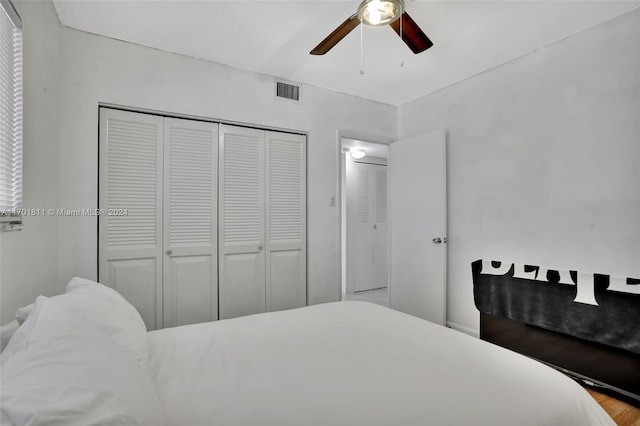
x=275 y=37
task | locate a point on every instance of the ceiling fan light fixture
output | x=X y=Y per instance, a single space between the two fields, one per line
x=357 y=153
x=380 y=12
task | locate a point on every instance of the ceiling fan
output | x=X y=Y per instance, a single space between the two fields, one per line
x=376 y=13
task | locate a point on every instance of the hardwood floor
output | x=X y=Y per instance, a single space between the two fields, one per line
x=622 y=413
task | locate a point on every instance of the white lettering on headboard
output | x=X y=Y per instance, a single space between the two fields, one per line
x=585 y=288
x=621 y=284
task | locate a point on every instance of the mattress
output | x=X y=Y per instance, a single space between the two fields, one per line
x=354 y=363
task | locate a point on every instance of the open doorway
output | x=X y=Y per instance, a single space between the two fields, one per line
x=365 y=225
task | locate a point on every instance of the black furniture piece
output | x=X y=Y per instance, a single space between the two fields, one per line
x=603 y=366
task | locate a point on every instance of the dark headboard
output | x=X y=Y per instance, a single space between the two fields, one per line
x=589 y=329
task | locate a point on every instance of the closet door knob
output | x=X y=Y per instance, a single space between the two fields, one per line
x=169 y=252
x=260 y=248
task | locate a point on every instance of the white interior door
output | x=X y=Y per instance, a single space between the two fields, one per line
x=363 y=236
x=241 y=228
x=417 y=207
x=380 y=229
x=370 y=237
x=130 y=244
x=190 y=275
x=286 y=215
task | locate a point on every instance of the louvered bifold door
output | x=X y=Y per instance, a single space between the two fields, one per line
x=130 y=234
x=365 y=221
x=286 y=214
x=241 y=226
x=190 y=282
x=380 y=229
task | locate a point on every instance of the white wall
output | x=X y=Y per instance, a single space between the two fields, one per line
x=96 y=69
x=28 y=258
x=543 y=159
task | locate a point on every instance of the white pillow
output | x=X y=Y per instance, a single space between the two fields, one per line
x=20 y=339
x=23 y=313
x=106 y=309
x=59 y=370
x=6 y=332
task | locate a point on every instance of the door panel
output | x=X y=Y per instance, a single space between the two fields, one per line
x=417 y=207
x=286 y=275
x=380 y=230
x=371 y=248
x=135 y=280
x=242 y=284
x=242 y=233
x=190 y=222
x=287 y=289
x=194 y=298
x=364 y=253
x=130 y=175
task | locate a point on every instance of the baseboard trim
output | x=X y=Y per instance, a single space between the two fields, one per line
x=463 y=329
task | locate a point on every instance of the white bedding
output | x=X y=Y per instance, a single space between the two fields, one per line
x=354 y=363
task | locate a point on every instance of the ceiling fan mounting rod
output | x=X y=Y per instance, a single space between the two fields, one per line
x=361 y=50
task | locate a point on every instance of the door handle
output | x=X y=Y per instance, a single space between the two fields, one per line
x=169 y=252
x=437 y=240
x=260 y=248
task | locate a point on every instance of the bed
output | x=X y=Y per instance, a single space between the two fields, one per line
x=345 y=363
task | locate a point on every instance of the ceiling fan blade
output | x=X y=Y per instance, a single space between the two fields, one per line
x=338 y=34
x=412 y=35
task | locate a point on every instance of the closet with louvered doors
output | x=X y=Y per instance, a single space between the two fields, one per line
x=158 y=247
x=262 y=223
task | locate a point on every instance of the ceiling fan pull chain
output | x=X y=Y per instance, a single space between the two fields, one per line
x=361 y=49
x=402 y=38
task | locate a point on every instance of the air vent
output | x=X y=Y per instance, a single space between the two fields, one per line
x=287 y=91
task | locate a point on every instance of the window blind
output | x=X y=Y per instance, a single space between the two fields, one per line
x=10 y=117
